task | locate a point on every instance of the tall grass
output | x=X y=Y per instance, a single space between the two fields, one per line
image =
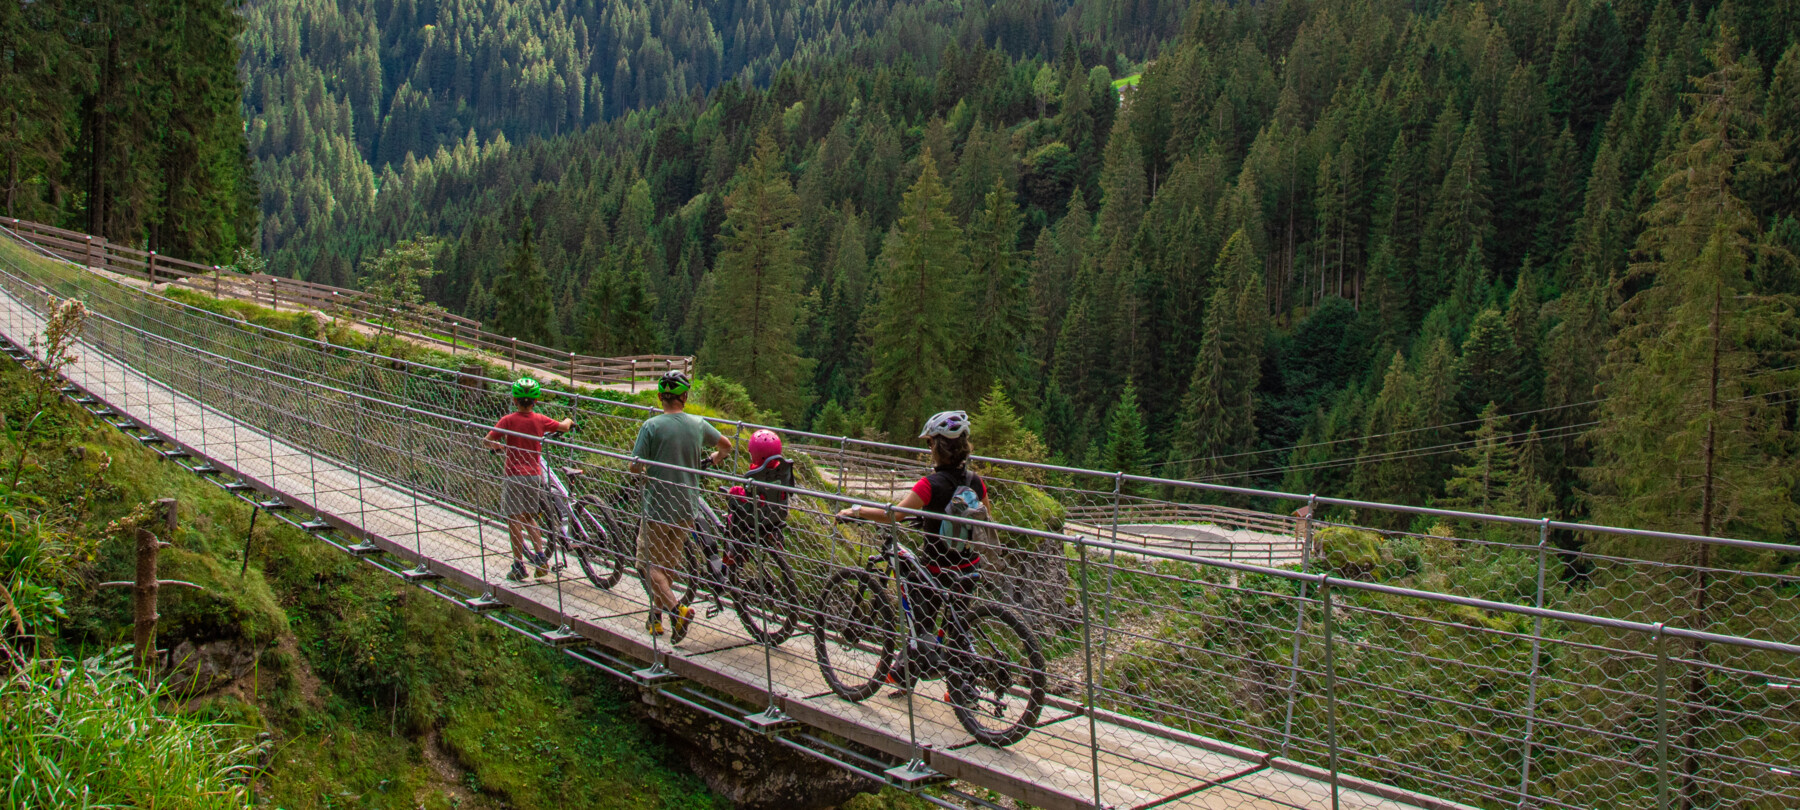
x=91 y=735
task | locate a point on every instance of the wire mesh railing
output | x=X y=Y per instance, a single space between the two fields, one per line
x=1476 y=662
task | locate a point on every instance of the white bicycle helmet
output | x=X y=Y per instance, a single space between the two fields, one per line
x=948 y=424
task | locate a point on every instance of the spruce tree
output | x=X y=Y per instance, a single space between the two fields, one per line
x=916 y=335
x=751 y=318
x=522 y=296
x=1125 y=450
x=1496 y=473
x=1687 y=439
x=1691 y=441
x=995 y=427
x=1386 y=470
x=1000 y=316
x=1218 y=421
x=1490 y=371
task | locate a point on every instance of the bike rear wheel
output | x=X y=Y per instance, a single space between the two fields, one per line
x=598 y=547
x=762 y=590
x=996 y=677
x=854 y=636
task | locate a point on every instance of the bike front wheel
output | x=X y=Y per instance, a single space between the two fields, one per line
x=854 y=636
x=762 y=590
x=996 y=676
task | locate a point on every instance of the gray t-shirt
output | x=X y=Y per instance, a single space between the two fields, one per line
x=672 y=494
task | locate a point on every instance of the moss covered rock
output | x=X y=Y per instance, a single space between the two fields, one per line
x=1349 y=552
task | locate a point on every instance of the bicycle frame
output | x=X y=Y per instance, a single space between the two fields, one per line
x=901 y=562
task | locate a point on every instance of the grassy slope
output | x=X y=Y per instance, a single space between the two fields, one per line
x=369 y=682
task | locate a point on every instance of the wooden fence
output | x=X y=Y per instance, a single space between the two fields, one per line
x=420 y=324
x=1158 y=512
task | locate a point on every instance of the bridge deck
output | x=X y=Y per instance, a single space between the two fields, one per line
x=1141 y=765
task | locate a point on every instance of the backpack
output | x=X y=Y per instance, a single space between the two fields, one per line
x=965 y=502
x=761 y=512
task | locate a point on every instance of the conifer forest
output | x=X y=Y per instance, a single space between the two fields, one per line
x=1536 y=257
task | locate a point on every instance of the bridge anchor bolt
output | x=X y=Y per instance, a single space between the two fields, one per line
x=914 y=775
x=562 y=638
x=484 y=603
x=420 y=573
x=770 y=722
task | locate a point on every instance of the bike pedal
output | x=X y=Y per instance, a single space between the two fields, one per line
x=714 y=610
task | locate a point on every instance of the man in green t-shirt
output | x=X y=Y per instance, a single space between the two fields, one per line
x=674 y=440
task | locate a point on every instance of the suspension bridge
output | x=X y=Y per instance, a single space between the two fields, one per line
x=1198 y=656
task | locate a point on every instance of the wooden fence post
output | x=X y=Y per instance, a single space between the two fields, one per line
x=151 y=266
x=216 y=281
x=144 y=588
x=143 y=595
x=515 y=354
x=571 y=368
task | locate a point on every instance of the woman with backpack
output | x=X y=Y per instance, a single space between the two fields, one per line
x=950 y=489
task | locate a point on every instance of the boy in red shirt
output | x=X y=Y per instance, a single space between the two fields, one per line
x=521 y=434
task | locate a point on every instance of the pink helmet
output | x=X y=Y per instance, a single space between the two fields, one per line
x=763 y=443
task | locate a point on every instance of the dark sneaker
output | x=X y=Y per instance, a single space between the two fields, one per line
x=679 y=620
x=653 y=624
x=517 y=574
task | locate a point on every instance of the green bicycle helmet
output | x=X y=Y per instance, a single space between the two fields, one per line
x=674 y=383
x=527 y=388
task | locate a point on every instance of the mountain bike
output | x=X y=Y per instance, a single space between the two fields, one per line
x=752 y=573
x=991 y=661
x=592 y=530
x=587 y=528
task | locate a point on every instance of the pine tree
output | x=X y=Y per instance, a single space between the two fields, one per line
x=1687 y=439
x=1690 y=442
x=1460 y=217
x=995 y=427
x=616 y=319
x=522 y=297
x=1491 y=370
x=915 y=335
x=1495 y=473
x=1125 y=449
x=1000 y=318
x=752 y=315
x=1218 y=422
x=1385 y=469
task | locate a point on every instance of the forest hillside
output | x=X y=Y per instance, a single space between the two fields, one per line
x=1534 y=256
x=1468 y=254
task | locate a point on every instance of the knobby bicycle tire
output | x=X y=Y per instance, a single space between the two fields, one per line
x=598 y=548
x=981 y=671
x=855 y=621
x=780 y=597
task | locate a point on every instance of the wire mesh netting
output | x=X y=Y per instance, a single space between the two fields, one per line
x=1128 y=642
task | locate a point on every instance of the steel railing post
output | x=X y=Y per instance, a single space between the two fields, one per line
x=1662 y=716
x=1112 y=564
x=1287 y=723
x=1087 y=663
x=1537 y=641
x=1331 y=714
